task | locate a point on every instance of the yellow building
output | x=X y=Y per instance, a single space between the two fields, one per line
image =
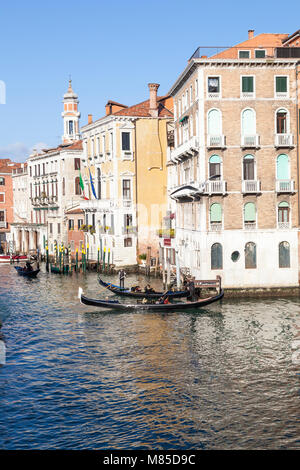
x=125 y=178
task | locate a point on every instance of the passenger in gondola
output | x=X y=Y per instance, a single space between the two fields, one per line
x=149 y=289
x=166 y=300
x=144 y=301
x=28 y=267
x=192 y=297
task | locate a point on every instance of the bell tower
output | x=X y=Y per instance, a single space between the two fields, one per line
x=70 y=116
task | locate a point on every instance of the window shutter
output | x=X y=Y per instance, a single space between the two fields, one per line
x=250 y=212
x=284 y=255
x=281 y=84
x=247 y=84
x=250 y=255
x=216 y=254
x=216 y=212
x=282 y=167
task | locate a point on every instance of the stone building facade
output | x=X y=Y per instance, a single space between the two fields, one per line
x=234 y=167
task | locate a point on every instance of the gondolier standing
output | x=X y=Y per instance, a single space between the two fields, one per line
x=122 y=276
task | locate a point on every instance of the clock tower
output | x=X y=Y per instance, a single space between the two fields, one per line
x=70 y=116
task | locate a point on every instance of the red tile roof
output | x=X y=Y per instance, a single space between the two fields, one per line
x=142 y=109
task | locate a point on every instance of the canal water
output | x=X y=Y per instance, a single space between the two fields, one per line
x=76 y=377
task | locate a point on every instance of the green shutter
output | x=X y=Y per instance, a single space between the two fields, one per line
x=281 y=84
x=216 y=213
x=260 y=54
x=282 y=167
x=247 y=84
x=250 y=212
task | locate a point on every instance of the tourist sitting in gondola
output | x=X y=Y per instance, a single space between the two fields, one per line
x=149 y=289
x=28 y=267
x=136 y=289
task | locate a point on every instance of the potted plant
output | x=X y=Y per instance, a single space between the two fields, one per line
x=143 y=258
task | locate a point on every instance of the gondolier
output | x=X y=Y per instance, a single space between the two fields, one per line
x=122 y=276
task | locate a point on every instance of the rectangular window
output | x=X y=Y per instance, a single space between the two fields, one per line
x=126 y=189
x=2 y=216
x=71 y=224
x=244 y=54
x=213 y=85
x=76 y=163
x=80 y=222
x=281 y=84
x=247 y=84
x=50 y=228
x=260 y=54
x=2 y=197
x=58 y=228
x=125 y=140
x=127 y=242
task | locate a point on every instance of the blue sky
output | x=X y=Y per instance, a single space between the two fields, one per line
x=112 y=49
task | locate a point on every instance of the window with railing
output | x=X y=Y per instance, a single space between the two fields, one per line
x=213 y=87
x=216 y=217
x=247 y=87
x=249 y=216
x=283 y=215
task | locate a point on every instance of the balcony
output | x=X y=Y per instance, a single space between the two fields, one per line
x=250 y=225
x=247 y=95
x=284 y=140
x=166 y=233
x=250 y=141
x=127 y=203
x=250 y=186
x=285 y=186
x=101 y=205
x=215 y=187
x=283 y=225
x=187 y=149
x=215 y=226
x=215 y=141
x=3 y=224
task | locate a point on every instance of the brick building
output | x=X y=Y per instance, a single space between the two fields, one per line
x=6 y=200
x=233 y=171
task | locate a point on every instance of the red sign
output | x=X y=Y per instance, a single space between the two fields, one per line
x=167 y=241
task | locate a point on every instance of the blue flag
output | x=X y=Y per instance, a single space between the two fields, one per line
x=92 y=185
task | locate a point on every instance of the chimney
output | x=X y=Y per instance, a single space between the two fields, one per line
x=90 y=118
x=250 y=33
x=153 y=108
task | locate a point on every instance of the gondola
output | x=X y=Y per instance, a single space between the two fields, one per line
x=25 y=273
x=116 y=305
x=141 y=295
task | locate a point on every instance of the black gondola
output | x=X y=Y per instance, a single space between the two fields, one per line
x=141 y=295
x=24 y=272
x=115 y=304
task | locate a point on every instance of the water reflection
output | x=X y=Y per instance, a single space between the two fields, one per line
x=223 y=377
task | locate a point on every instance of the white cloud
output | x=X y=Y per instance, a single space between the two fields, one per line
x=18 y=152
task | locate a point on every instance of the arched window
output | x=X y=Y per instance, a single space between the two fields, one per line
x=249 y=215
x=215 y=167
x=283 y=215
x=284 y=255
x=248 y=167
x=216 y=216
x=2 y=181
x=250 y=255
x=281 y=121
x=216 y=256
x=63 y=187
x=248 y=122
x=214 y=122
x=99 y=182
x=77 y=186
x=282 y=167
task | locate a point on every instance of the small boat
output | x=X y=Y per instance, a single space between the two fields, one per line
x=8 y=258
x=23 y=272
x=116 y=305
x=141 y=295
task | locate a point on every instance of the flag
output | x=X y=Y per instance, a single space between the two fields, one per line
x=92 y=185
x=81 y=184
